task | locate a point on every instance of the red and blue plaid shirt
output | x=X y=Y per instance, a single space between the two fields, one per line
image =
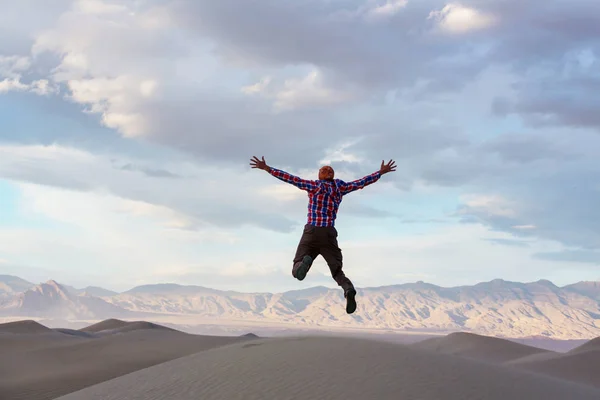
x=324 y=197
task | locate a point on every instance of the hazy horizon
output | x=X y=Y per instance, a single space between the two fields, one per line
x=127 y=129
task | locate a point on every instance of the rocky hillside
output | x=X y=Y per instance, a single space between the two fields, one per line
x=497 y=308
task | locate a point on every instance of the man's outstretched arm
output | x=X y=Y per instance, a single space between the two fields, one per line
x=284 y=176
x=348 y=187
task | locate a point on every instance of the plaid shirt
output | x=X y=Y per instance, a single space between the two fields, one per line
x=324 y=197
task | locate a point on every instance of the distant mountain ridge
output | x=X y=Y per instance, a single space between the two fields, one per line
x=498 y=307
x=53 y=300
x=13 y=284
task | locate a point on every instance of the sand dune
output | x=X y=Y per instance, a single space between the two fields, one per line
x=593 y=344
x=582 y=366
x=19 y=336
x=123 y=360
x=104 y=325
x=534 y=358
x=48 y=365
x=116 y=326
x=75 y=332
x=24 y=327
x=330 y=368
x=483 y=348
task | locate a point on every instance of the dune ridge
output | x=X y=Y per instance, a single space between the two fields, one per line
x=116 y=325
x=329 y=368
x=27 y=326
x=593 y=344
x=46 y=366
x=581 y=366
x=480 y=347
x=116 y=359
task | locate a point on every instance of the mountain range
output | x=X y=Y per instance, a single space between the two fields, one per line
x=499 y=308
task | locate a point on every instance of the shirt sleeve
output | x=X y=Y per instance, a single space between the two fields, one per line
x=300 y=183
x=348 y=187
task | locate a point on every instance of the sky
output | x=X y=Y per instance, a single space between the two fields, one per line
x=127 y=128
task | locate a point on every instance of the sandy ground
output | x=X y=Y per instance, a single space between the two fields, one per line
x=593 y=344
x=483 y=348
x=39 y=364
x=117 y=360
x=330 y=368
x=580 y=366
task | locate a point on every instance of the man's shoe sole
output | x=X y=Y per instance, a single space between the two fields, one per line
x=303 y=268
x=351 y=301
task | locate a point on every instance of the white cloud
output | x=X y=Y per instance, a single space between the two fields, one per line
x=113 y=81
x=388 y=9
x=215 y=199
x=97 y=7
x=115 y=100
x=341 y=153
x=8 y=85
x=106 y=233
x=278 y=192
x=448 y=255
x=12 y=69
x=138 y=242
x=298 y=93
x=524 y=227
x=13 y=66
x=307 y=92
x=40 y=87
x=258 y=87
x=148 y=87
x=490 y=205
x=456 y=19
x=177 y=76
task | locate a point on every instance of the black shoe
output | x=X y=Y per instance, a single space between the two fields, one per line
x=350 y=301
x=303 y=268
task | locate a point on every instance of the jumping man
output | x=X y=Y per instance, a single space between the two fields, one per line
x=320 y=235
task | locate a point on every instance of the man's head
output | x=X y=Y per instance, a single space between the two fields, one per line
x=326 y=173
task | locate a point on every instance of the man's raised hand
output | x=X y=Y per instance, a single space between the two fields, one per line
x=260 y=164
x=389 y=167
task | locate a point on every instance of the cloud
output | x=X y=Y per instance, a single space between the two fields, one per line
x=13 y=66
x=119 y=243
x=152 y=172
x=388 y=9
x=258 y=87
x=578 y=256
x=307 y=92
x=41 y=87
x=453 y=253
x=496 y=99
x=98 y=7
x=12 y=69
x=319 y=61
x=214 y=199
x=508 y=242
x=70 y=168
x=113 y=238
x=456 y=19
x=542 y=188
x=527 y=148
x=493 y=206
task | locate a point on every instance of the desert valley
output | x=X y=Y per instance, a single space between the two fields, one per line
x=299 y=200
x=494 y=340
